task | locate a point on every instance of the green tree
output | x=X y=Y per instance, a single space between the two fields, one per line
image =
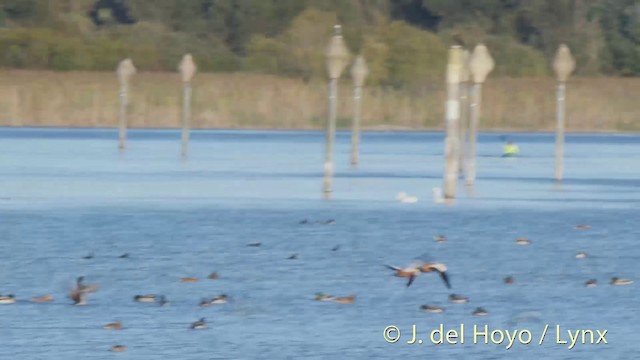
x=620 y=22
x=404 y=41
x=376 y=53
x=306 y=40
x=515 y=59
x=415 y=56
x=267 y=55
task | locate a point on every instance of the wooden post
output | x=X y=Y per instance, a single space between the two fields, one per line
x=125 y=71
x=563 y=65
x=480 y=65
x=187 y=69
x=359 y=73
x=560 y=125
x=451 y=145
x=337 y=56
x=329 y=137
x=476 y=96
x=464 y=109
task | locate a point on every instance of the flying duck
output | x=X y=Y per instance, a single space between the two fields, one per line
x=414 y=270
x=79 y=297
x=408 y=272
x=85 y=288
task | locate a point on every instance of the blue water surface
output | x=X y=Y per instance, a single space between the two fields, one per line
x=67 y=193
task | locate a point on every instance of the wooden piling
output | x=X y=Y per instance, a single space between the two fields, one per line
x=480 y=65
x=330 y=137
x=187 y=69
x=125 y=71
x=337 y=56
x=359 y=72
x=474 y=122
x=451 y=147
x=464 y=109
x=563 y=65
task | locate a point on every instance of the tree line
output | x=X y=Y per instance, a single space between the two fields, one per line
x=404 y=41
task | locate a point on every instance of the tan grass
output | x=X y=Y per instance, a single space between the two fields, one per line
x=89 y=99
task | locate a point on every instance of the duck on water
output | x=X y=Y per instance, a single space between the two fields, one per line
x=7 y=299
x=199 y=325
x=151 y=298
x=619 y=281
x=432 y=309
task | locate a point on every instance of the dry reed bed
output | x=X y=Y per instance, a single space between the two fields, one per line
x=82 y=99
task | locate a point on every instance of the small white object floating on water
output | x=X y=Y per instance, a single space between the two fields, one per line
x=581 y=255
x=437 y=195
x=403 y=197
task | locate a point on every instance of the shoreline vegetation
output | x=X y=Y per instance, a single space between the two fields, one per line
x=262 y=63
x=35 y=98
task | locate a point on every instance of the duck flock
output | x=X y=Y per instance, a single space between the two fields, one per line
x=419 y=267
x=80 y=293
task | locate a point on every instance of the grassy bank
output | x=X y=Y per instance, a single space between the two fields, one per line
x=79 y=99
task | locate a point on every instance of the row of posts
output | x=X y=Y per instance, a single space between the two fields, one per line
x=338 y=56
x=126 y=70
x=462 y=102
x=187 y=68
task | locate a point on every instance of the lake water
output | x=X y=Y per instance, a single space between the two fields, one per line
x=67 y=193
